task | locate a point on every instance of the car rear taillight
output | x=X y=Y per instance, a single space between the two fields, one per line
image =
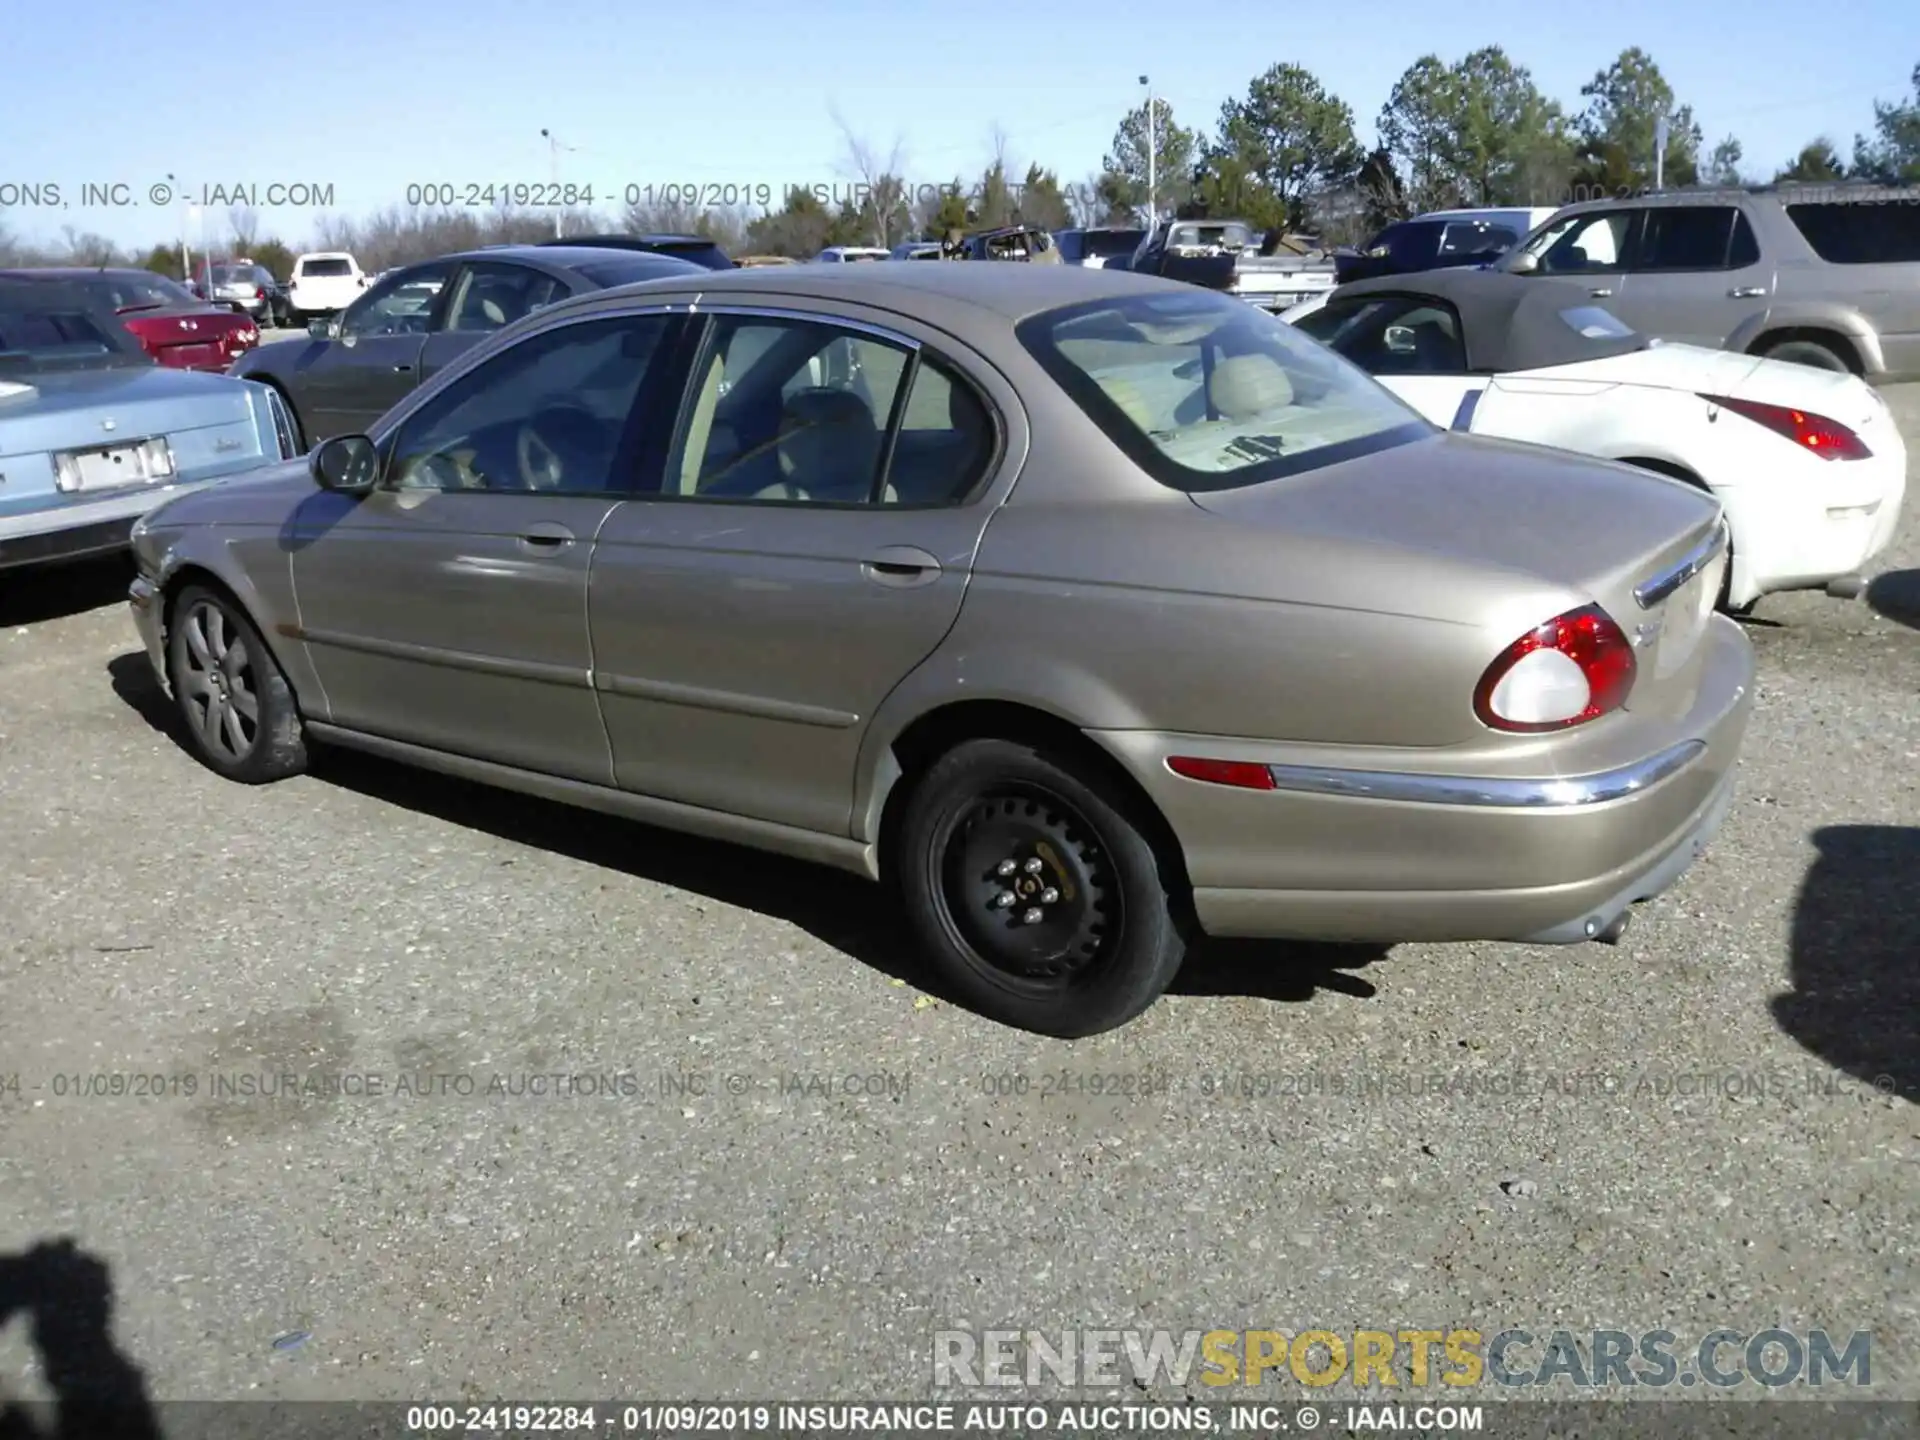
x=1575 y=668
x=1827 y=438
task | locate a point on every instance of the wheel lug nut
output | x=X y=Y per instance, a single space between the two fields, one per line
x=1033 y=866
x=1005 y=867
x=1032 y=917
x=1003 y=900
x=1049 y=895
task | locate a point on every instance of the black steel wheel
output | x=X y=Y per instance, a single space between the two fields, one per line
x=1034 y=886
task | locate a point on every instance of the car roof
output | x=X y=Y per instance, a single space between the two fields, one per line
x=79 y=272
x=1012 y=292
x=564 y=257
x=1507 y=322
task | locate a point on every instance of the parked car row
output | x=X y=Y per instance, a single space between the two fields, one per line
x=1066 y=796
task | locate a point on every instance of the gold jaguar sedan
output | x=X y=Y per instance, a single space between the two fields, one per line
x=1092 y=612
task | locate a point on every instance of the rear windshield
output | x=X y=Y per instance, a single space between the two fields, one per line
x=140 y=292
x=1863 y=232
x=640 y=266
x=324 y=269
x=1191 y=237
x=699 y=252
x=238 y=275
x=1206 y=392
x=29 y=338
x=1108 y=243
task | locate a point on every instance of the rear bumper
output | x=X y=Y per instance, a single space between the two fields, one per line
x=1800 y=536
x=73 y=532
x=1357 y=853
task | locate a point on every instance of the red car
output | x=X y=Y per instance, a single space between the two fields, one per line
x=172 y=325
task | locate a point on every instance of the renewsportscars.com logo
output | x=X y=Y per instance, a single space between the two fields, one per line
x=1391 y=1359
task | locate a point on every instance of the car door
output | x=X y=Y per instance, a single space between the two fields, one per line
x=1695 y=274
x=486 y=296
x=448 y=608
x=808 y=546
x=1592 y=246
x=371 y=359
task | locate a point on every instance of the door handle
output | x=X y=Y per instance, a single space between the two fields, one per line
x=901 y=566
x=401 y=369
x=1748 y=292
x=1602 y=293
x=545 y=536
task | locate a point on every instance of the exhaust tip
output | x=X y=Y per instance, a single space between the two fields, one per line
x=1611 y=935
x=1847 y=587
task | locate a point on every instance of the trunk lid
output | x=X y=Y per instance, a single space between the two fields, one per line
x=1486 y=508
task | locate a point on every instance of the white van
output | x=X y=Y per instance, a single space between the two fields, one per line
x=324 y=283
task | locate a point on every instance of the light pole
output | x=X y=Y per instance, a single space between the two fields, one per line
x=554 y=147
x=1659 y=153
x=1152 y=146
x=186 y=255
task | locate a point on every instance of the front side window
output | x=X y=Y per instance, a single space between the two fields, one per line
x=1866 y=232
x=1206 y=392
x=1685 y=237
x=1392 y=335
x=400 y=305
x=546 y=415
x=492 y=296
x=799 y=411
x=1582 y=244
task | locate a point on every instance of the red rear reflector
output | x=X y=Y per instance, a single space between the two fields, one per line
x=1242 y=773
x=1828 y=439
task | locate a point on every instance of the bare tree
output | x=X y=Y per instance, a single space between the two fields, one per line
x=245 y=224
x=88 y=248
x=883 y=197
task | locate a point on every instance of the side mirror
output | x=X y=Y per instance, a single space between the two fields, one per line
x=347 y=463
x=323 y=329
x=1525 y=263
x=1400 y=339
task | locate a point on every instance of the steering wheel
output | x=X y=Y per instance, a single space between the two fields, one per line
x=542 y=458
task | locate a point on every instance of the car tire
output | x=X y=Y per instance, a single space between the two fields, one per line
x=219 y=667
x=1810 y=353
x=1096 y=930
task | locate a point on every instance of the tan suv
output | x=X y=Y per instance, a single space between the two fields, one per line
x=1825 y=275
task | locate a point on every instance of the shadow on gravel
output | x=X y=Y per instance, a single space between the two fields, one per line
x=855 y=917
x=58 y=591
x=99 y=1394
x=1896 y=595
x=1855 y=1001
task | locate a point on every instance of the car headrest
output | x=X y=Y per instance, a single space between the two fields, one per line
x=1244 y=386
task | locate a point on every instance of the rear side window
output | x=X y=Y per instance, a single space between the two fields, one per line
x=1206 y=392
x=1862 y=233
x=1686 y=237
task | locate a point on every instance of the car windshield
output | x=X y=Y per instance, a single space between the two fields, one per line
x=324 y=269
x=1207 y=392
x=32 y=339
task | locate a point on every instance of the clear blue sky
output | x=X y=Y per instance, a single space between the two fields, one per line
x=370 y=97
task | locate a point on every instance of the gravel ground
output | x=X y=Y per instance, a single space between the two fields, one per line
x=1549 y=1140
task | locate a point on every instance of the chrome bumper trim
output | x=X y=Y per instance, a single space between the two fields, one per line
x=1569 y=792
x=1651 y=592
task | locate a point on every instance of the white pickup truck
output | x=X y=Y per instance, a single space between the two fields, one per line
x=324 y=284
x=1226 y=255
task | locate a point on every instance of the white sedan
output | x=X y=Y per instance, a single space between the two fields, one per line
x=1807 y=464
